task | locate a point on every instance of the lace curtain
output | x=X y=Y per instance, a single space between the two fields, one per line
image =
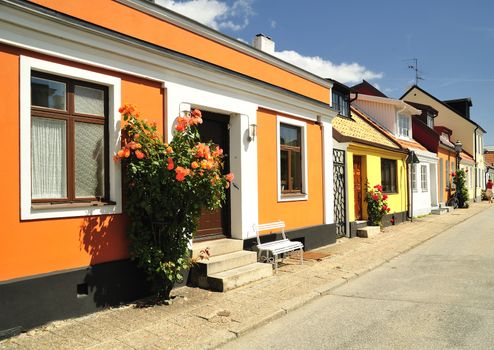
x=48 y=158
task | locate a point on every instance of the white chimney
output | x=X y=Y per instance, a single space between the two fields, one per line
x=263 y=43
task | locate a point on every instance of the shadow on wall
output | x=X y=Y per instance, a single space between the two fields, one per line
x=109 y=280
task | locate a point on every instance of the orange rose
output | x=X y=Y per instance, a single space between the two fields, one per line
x=180 y=127
x=139 y=154
x=127 y=153
x=229 y=177
x=170 y=164
x=120 y=153
x=194 y=165
x=169 y=150
x=181 y=173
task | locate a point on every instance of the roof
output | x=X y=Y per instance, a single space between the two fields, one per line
x=407 y=144
x=489 y=158
x=442 y=103
x=467 y=157
x=361 y=129
x=367 y=88
x=423 y=107
x=466 y=99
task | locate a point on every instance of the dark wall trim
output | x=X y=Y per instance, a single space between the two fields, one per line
x=312 y=237
x=30 y=302
x=388 y=220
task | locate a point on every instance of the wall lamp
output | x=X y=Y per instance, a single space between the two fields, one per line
x=252 y=132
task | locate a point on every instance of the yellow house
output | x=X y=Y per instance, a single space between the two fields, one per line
x=372 y=157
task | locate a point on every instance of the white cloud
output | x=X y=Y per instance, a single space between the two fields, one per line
x=213 y=13
x=343 y=72
x=273 y=23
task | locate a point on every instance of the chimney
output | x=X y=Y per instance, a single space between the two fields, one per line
x=264 y=43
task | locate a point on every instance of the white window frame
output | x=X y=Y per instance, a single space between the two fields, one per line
x=27 y=65
x=305 y=188
x=409 y=126
x=413 y=176
x=430 y=121
x=424 y=178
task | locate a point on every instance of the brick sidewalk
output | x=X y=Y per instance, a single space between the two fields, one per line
x=200 y=319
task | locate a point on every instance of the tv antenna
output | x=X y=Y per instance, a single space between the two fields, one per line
x=415 y=67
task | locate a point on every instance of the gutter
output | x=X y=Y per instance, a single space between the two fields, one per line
x=476 y=166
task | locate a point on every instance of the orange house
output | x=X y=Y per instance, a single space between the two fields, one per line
x=66 y=69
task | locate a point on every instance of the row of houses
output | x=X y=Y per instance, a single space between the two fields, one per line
x=411 y=146
x=302 y=147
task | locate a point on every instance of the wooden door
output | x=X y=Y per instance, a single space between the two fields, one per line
x=357 y=186
x=216 y=223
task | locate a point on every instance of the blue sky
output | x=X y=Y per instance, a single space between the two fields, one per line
x=350 y=40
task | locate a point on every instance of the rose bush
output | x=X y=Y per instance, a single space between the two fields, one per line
x=377 y=205
x=166 y=187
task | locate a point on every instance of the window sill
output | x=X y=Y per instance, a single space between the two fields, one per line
x=292 y=197
x=44 y=206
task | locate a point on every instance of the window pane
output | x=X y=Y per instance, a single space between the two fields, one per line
x=89 y=160
x=284 y=170
x=48 y=159
x=289 y=135
x=48 y=93
x=296 y=171
x=89 y=100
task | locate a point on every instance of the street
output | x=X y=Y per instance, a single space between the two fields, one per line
x=439 y=295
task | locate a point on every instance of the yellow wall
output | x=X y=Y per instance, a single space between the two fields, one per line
x=371 y=172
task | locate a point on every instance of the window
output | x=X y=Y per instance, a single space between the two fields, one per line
x=430 y=121
x=69 y=129
x=69 y=152
x=423 y=178
x=388 y=175
x=414 y=177
x=403 y=126
x=292 y=168
x=340 y=103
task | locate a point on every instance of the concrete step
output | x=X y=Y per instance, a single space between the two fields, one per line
x=439 y=211
x=368 y=231
x=223 y=262
x=217 y=247
x=239 y=276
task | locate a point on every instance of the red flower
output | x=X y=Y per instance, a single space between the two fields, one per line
x=180 y=127
x=385 y=196
x=126 y=109
x=388 y=209
x=229 y=177
x=375 y=197
x=170 y=164
x=126 y=153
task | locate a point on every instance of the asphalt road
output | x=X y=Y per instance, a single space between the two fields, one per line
x=439 y=295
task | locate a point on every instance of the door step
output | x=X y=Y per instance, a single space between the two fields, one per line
x=439 y=211
x=228 y=266
x=368 y=231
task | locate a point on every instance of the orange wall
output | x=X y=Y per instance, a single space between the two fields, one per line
x=128 y=21
x=445 y=155
x=297 y=213
x=41 y=246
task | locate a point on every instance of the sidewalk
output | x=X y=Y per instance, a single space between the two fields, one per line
x=200 y=319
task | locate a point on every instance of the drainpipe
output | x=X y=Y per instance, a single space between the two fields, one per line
x=476 y=168
x=409 y=187
x=321 y=126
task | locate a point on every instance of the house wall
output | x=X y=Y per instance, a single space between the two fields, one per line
x=444 y=175
x=383 y=114
x=51 y=245
x=462 y=129
x=371 y=173
x=270 y=207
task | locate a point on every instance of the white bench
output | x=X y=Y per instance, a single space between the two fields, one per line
x=277 y=247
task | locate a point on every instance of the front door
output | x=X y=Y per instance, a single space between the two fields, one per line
x=216 y=223
x=357 y=186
